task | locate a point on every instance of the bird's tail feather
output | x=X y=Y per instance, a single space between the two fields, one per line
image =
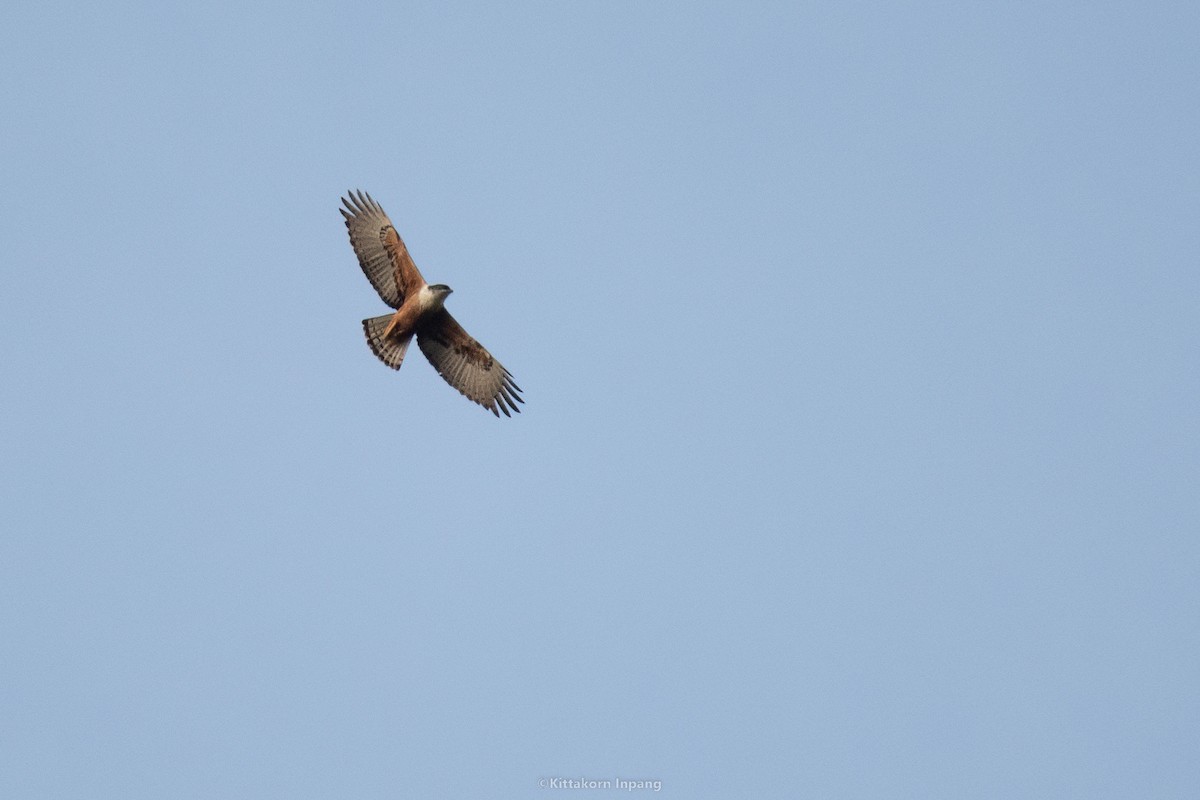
x=390 y=350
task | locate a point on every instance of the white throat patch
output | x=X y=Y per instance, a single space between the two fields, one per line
x=430 y=300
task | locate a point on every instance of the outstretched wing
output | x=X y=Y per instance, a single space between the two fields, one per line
x=466 y=365
x=380 y=250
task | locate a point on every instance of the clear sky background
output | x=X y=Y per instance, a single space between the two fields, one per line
x=862 y=443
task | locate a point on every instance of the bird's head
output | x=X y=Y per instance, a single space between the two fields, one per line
x=435 y=296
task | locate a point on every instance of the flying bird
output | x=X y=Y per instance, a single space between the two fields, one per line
x=420 y=312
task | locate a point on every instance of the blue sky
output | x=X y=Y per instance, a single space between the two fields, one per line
x=861 y=450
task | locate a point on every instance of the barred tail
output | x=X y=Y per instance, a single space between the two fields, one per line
x=390 y=350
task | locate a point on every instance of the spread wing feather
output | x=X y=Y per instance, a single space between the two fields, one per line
x=466 y=365
x=381 y=252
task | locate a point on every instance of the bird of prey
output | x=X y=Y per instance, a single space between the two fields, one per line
x=420 y=312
